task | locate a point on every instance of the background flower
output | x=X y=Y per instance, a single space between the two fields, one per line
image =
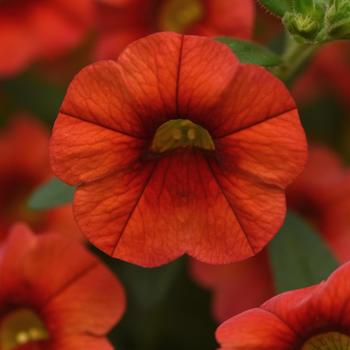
x=51 y=295
x=24 y=165
x=34 y=30
x=314 y=317
x=122 y=21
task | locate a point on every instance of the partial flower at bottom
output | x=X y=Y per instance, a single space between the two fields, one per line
x=55 y=294
x=314 y=318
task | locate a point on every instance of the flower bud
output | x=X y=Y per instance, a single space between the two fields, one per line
x=338 y=20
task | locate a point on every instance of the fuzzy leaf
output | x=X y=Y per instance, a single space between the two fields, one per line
x=249 y=52
x=277 y=7
x=52 y=194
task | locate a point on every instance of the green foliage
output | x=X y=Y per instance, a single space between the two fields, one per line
x=277 y=7
x=249 y=52
x=52 y=194
x=42 y=99
x=298 y=256
x=164 y=307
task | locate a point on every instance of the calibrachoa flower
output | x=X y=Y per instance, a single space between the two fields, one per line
x=123 y=21
x=24 y=165
x=55 y=294
x=178 y=148
x=38 y=29
x=321 y=194
x=316 y=317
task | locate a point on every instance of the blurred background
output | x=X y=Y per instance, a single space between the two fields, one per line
x=42 y=49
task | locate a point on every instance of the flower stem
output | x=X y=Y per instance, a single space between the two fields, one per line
x=294 y=58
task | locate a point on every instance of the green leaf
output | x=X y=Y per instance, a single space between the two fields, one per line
x=277 y=7
x=249 y=52
x=299 y=258
x=52 y=194
x=148 y=287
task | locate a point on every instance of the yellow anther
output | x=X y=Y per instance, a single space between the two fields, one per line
x=179 y=15
x=21 y=327
x=177 y=134
x=191 y=134
x=181 y=133
x=22 y=337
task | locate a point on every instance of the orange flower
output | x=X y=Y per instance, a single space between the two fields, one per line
x=123 y=21
x=316 y=317
x=177 y=147
x=322 y=195
x=35 y=29
x=24 y=165
x=51 y=296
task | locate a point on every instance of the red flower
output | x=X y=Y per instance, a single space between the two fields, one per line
x=24 y=165
x=322 y=195
x=123 y=21
x=51 y=296
x=311 y=318
x=37 y=29
x=177 y=147
x=236 y=287
x=329 y=72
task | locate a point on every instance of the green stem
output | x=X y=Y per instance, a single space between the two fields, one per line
x=294 y=58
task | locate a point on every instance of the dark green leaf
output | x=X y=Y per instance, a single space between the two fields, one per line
x=148 y=287
x=299 y=258
x=52 y=194
x=277 y=7
x=249 y=52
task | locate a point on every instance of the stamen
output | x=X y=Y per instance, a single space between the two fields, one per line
x=328 y=341
x=181 y=133
x=21 y=327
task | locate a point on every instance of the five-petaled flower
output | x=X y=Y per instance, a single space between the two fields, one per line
x=316 y=317
x=122 y=21
x=321 y=194
x=24 y=165
x=32 y=30
x=55 y=294
x=178 y=148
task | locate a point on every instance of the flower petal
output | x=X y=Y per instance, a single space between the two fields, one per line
x=75 y=141
x=84 y=307
x=317 y=307
x=152 y=215
x=253 y=97
x=259 y=208
x=206 y=68
x=255 y=329
x=131 y=94
x=81 y=342
x=12 y=252
x=273 y=152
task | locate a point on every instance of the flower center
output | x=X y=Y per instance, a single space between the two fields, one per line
x=328 y=341
x=178 y=15
x=181 y=133
x=21 y=327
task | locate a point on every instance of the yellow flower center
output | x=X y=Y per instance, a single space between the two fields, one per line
x=21 y=327
x=328 y=341
x=181 y=133
x=178 y=15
